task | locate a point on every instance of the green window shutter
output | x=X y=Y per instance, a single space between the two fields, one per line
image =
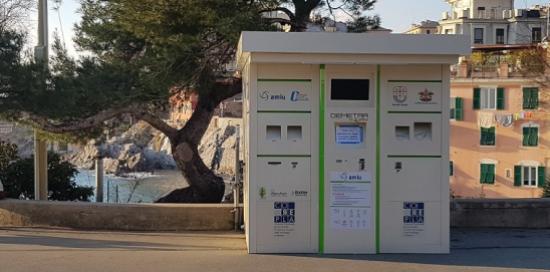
x=530 y=98
x=530 y=136
x=488 y=136
x=542 y=176
x=451 y=168
x=492 y=136
x=500 y=98
x=526 y=98
x=535 y=98
x=477 y=98
x=517 y=176
x=483 y=136
x=525 y=136
x=483 y=173
x=459 y=109
x=534 y=136
x=491 y=174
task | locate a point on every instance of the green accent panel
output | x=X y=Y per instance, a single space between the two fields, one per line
x=415 y=81
x=322 y=83
x=282 y=111
x=500 y=99
x=459 y=109
x=414 y=112
x=517 y=176
x=378 y=155
x=415 y=156
x=477 y=98
x=282 y=80
x=542 y=176
x=284 y=156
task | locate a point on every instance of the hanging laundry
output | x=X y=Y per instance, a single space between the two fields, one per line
x=522 y=115
x=516 y=116
x=505 y=119
x=529 y=115
x=486 y=119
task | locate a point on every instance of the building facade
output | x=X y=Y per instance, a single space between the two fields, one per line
x=424 y=27
x=498 y=127
x=494 y=22
x=498 y=145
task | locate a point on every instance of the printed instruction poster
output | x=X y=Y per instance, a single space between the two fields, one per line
x=350 y=200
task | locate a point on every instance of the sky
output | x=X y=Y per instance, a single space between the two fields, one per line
x=397 y=15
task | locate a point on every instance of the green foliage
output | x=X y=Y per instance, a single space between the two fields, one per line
x=17 y=176
x=8 y=154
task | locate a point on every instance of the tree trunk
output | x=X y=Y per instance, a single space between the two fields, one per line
x=204 y=185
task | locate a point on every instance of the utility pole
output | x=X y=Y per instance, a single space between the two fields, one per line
x=40 y=146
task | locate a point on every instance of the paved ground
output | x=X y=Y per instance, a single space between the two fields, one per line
x=56 y=250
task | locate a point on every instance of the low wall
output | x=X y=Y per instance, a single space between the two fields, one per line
x=501 y=213
x=506 y=213
x=129 y=217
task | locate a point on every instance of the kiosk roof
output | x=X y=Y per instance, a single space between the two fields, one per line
x=353 y=43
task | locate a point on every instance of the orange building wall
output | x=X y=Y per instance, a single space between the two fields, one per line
x=467 y=153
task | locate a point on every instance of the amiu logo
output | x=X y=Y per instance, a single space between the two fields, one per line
x=267 y=96
x=297 y=96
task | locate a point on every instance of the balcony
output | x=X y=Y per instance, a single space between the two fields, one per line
x=500 y=65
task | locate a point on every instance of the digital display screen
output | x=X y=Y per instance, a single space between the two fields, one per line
x=349 y=134
x=350 y=89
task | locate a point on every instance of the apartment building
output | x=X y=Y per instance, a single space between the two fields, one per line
x=494 y=22
x=498 y=128
x=424 y=27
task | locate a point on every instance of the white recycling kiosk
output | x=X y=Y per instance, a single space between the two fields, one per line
x=346 y=141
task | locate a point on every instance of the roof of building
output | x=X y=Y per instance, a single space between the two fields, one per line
x=354 y=43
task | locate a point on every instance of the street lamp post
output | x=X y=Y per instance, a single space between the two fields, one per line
x=40 y=146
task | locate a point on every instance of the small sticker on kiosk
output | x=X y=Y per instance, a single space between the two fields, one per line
x=284 y=213
x=413 y=213
x=349 y=134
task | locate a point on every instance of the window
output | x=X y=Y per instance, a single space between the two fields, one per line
x=457 y=109
x=488 y=136
x=530 y=98
x=350 y=89
x=536 y=35
x=478 y=35
x=428 y=31
x=487 y=174
x=530 y=136
x=529 y=176
x=480 y=12
x=448 y=31
x=451 y=168
x=499 y=36
x=489 y=98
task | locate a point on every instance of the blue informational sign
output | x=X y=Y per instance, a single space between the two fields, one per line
x=284 y=213
x=413 y=213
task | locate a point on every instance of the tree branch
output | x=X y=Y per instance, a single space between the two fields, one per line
x=96 y=120
x=288 y=12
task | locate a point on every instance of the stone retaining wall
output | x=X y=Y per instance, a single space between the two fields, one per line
x=501 y=213
x=128 y=217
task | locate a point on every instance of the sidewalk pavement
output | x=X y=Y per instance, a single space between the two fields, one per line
x=57 y=250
